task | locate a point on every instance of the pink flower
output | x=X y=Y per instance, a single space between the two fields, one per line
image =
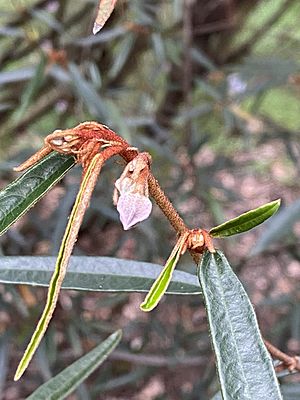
x=131 y=194
x=133 y=208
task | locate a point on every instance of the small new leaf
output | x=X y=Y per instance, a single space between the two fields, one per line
x=161 y=284
x=246 y=221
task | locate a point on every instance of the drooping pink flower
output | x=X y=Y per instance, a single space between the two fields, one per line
x=131 y=194
x=133 y=208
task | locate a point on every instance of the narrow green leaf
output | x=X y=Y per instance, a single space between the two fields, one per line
x=100 y=274
x=70 y=236
x=25 y=191
x=246 y=221
x=30 y=90
x=244 y=365
x=106 y=36
x=162 y=282
x=16 y=75
x=278 y=228
x=86 y=91
x=48 y=19
x=122 y=53
x=70 y=378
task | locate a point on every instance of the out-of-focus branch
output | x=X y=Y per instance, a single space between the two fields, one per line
x=16 y=54
x=247 y=46
x=187 y=65
x=43 y=105
x=157 y=361
x=23 y=14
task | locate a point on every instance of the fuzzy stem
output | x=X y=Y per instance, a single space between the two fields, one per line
x=287 y=362
x=165 y=205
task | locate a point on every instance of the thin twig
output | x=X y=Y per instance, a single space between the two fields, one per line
x=188 y=63
x=292 y=363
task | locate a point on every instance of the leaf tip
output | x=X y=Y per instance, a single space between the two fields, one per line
x=145 y=307
x=278 y=202
x=275 y=204
x=18 y=374
x=97 y=28
x=119 y=333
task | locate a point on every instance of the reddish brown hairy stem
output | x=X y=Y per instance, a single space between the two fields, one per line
x=287 y=362
x=165 y=205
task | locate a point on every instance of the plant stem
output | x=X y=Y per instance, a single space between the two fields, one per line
x=160 y=198
x=165 y=205
x=287 y=362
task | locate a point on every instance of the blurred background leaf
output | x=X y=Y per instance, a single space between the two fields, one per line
x=69 y=379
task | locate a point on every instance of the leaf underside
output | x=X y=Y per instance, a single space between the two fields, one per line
x=70 y=378
x=103 y=274
x=25 y=191
x=246 y=221
x=244 y=365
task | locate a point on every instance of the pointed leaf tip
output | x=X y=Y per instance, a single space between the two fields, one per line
x=81 y=203
x=160 y=285
x=97 y=28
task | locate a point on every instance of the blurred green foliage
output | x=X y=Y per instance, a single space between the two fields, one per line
x=211 y=90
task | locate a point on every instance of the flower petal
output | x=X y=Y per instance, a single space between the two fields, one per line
x=133 y=208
